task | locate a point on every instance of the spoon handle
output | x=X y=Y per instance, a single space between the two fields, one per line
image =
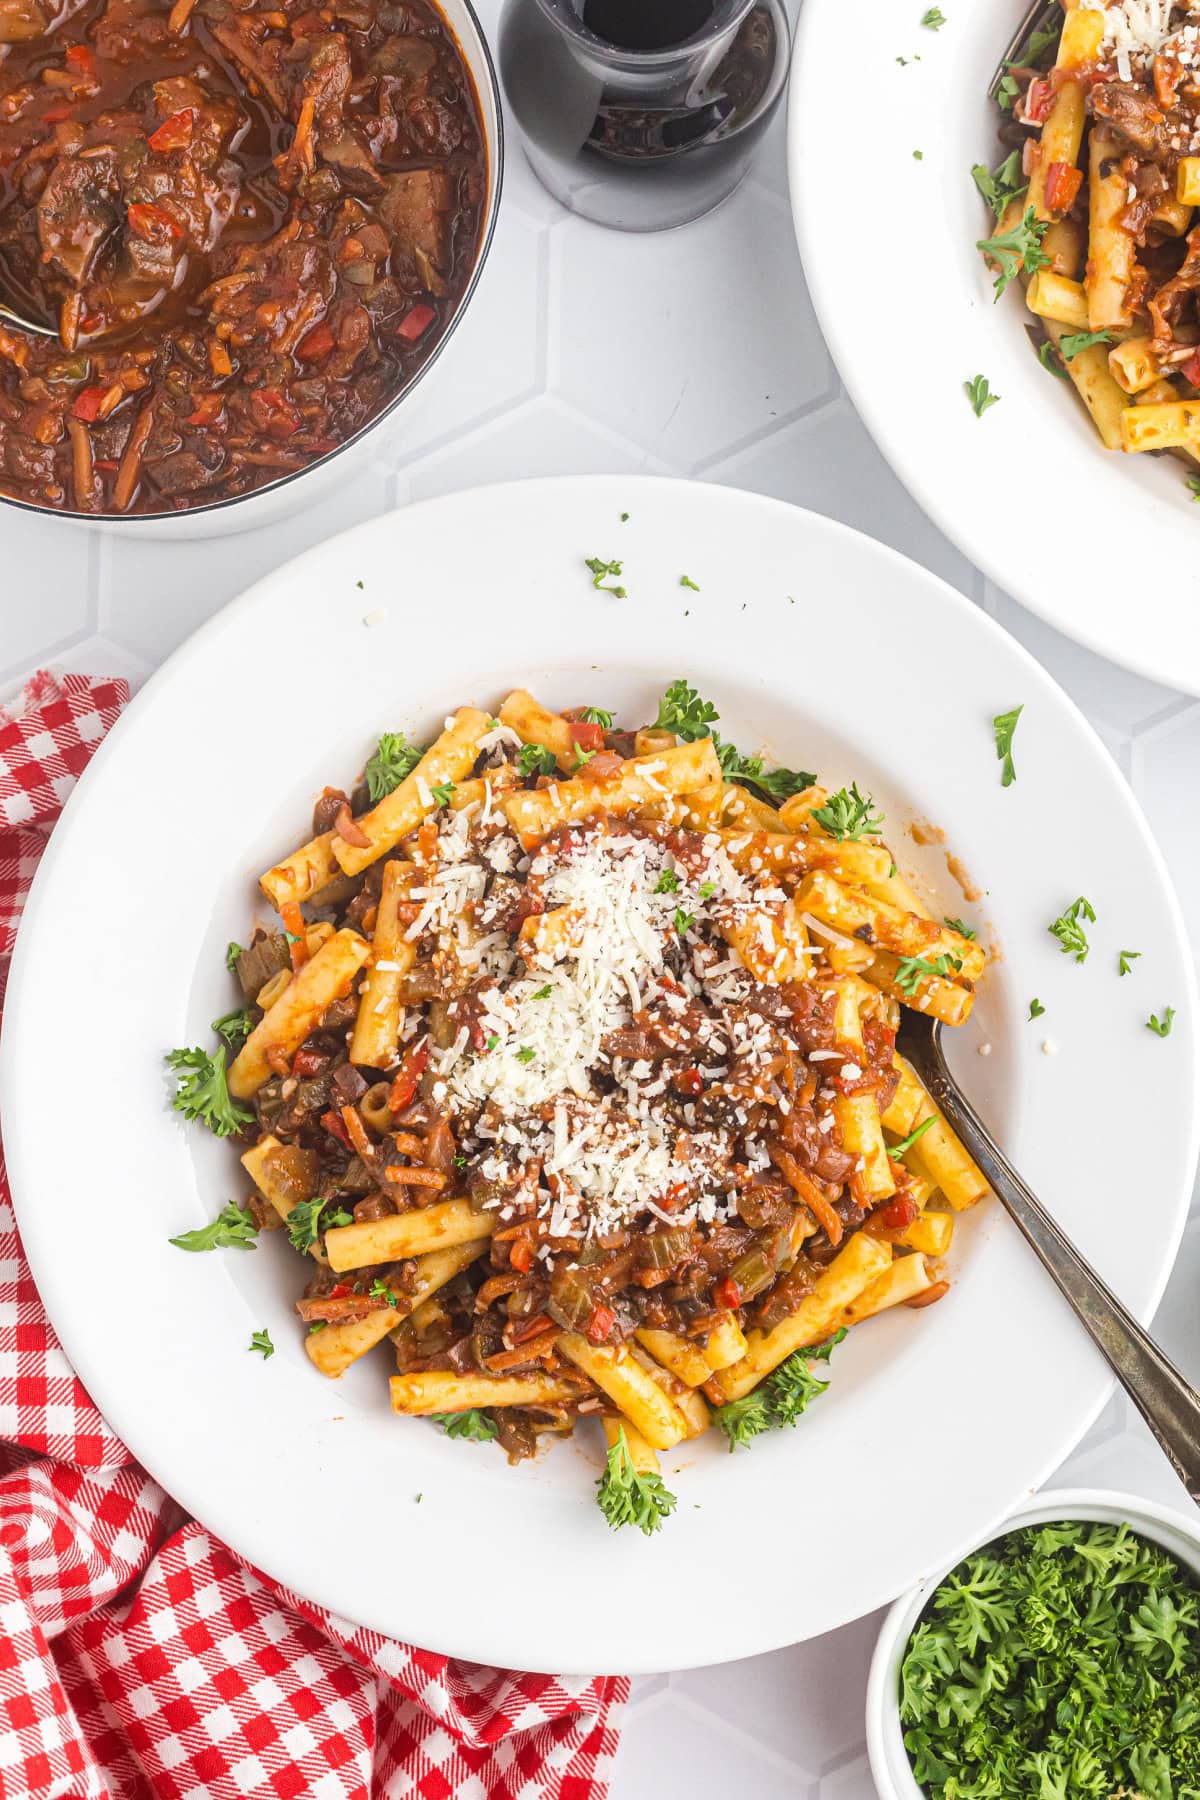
x=1169 y=1405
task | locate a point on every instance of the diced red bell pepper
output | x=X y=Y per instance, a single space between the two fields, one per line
x=152 y=224
x=404 y=1083
x=207 y=411
x=415 y=322
x=57 y=114
x=174 y=133
x=899 y=1213
x=81 y=60
x=274 y=413
x=689 y=1083
x=520 y=1255
x=726 y=1292
x=586 y=735
x=1063 y=181
x=88 y=403
x=332 y=1122
x=307 y=1063
x=600 y=1324
x=339 y=1288
x=1039 y=98
x=316 y=344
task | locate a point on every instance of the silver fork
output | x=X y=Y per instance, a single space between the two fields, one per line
x=1040 y=15
x=9 y=317
x=1169 y=1405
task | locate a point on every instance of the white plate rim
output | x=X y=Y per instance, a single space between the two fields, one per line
x=1153 y=637
x=672 y=1647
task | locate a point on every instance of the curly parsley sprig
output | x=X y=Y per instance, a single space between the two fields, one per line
x=780 y=1399
x=627 y=1497
x=203 y=1093
x=394 y=758
x=683 y=711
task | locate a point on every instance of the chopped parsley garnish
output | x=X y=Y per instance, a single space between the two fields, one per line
x=934 y=19
x=1073 y=342
x=1069 y=931
x=443 y=792
x=683 y=921
x=624 y=518
x=535 y=759
x=1049 y=359
x=1061 y=1662
x=1193 y=482
x=687 y=582
x=526 y=1054
x=582 y=756
x=627 y=1497
x=1016 y=251
x=980 y=395
x=317 y=1325
x=393 y=760
x=1161 y=1027
x=707 y=889
x=379 y=1290
x=232 y=952
x=913 y=970
x=780 y=1399
x=682 y=711
x=1002 y=184
x=667 y=883
x=1126 y=960
x=472 y=1424
x=234 y=1027
x=491 y=1041
x=599 y=569
x=261 y=1341
x=543 y=993
x=1027 y=56
x=596 y=715
x=305 y=1225
x=1004 y=727
x=847 y=815
x=1036 y=1009
x=896 y=1151
x=918 y=156
x=961 y=926
x=202 y=1092
x=232 y=1229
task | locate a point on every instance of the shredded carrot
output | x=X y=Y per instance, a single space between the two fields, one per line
x=218 y=356
x=293 y=924
x=179 y=15
x=409 y=1144
x=430 y=1178
x=531 y=1352
x=809 y=1192
x=358 y=1133
x=494 y=1288
x=930 y=1295
x=125 y=486
x=532 y=1328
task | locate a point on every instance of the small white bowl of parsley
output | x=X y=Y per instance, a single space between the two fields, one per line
x=1059 y=1661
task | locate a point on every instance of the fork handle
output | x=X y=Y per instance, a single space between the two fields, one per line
x=1168 y=1403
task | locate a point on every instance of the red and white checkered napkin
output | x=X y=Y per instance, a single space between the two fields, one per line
x=139 y=1656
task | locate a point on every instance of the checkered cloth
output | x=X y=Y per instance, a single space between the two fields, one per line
x=139 y=1656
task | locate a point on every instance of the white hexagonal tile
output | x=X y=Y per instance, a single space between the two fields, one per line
x=543 y=437
x=807 y=462
x=671 y=1750
x=806 y=1702
x=484 y=369
x=47 y=597
x=154 y=595
x=694 y=353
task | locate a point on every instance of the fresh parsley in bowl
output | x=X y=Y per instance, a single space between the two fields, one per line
x=1061 y=1660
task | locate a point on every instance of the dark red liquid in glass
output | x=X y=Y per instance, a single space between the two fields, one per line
x=646 y=24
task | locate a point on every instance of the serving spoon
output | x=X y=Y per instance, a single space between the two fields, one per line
x=1169 y=1405
x=9 y=317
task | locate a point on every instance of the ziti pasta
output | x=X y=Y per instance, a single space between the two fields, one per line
x=1094 y=205
x=577 y=1083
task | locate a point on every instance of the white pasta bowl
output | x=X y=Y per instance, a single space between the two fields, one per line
x=815 y=644
x=1100 y=544
x=1175 y=1531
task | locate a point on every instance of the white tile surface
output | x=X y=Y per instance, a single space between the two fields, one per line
x=691 y=353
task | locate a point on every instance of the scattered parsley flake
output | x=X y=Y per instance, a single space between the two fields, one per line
x=1069 y=931
x=597 y=715
x=232 y=952
x=443 y=792
x=961 y=926
x=379 y=1290
x=525 y=1054
x=667 y=883
x=1193 y=482
x=918 y=156
x=1161 y=1027
x=232 y=1229
x=473 y=1425
x=543 y=993
x=1004 y=727
x=913 y=970
x=683 y=921
x=599 y=569
x=305 y=1224
x=848 y=816
x=980 y=395
x=1050 y=359
x=394 y=758
x=1001 y=185
x=535 y=759
x=1017 y=251
x=1074 y=342
x=202 y=1092
x=261 y=1341
x=934 y=19
x=687 y=582
x=1036 y=1009
x=1126 y=960
x=491 y=1041
x=234 y=1027
x=707 y=889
